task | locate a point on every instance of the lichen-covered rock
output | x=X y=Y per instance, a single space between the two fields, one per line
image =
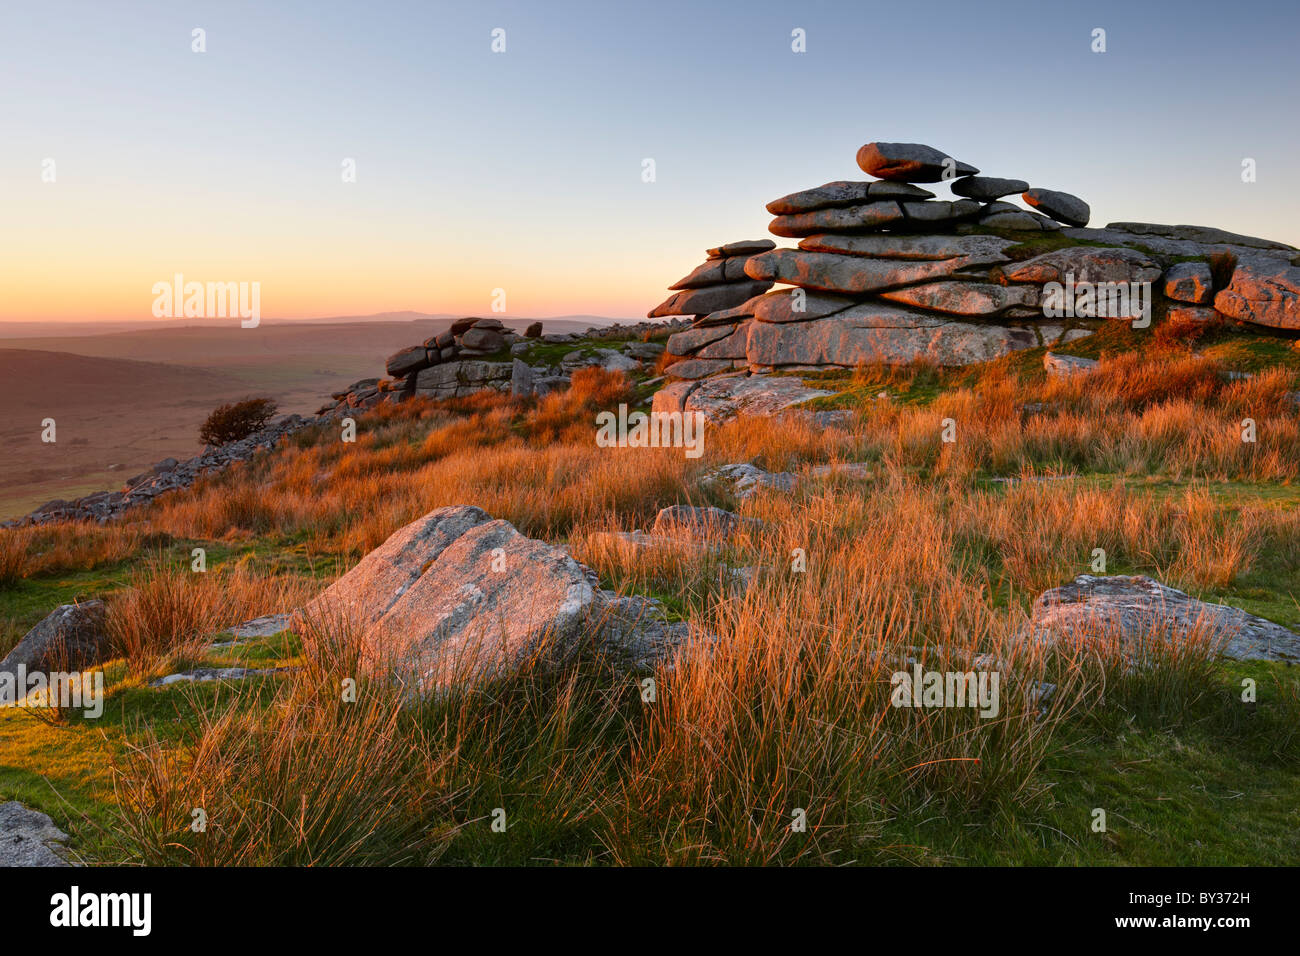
x=721 y=399
x=1263 y=291
x=457 y=596
x=865 y=217
x=745 y=480
x=1138 y=611
x=1189 y=282
x=973 y=250
x=873 y=333
x=1086 y=264
x=691 y=340
x=1063 y=365
x=987 y=188
x=1202 y=234
x=968 y=298
x=1192 y=315
x=713 y=298
x=843 y=193
x=848 y=275
x=407 y=361
x=27 y=837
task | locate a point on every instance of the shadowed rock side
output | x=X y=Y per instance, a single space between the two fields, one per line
x=458 y=595
x=885 y=272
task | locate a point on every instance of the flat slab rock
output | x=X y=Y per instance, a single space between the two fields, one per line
x=27 y=837
x=1064 y=365
x=458 y=595
x=1086 y=264
x=849 y=274
x=745 y=480
x=202 y=675
x=266 y=626
x=875 y=332
x=1138 y=608
x=1207 y=234
x=701 y=521
x=723 y=398
x=843 y=193
x=1165 y=246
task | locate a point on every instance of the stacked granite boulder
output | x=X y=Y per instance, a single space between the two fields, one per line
x=884 y=272
x=718 y=283
x=711 y=293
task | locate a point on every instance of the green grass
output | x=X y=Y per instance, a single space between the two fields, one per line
x=1220 y=788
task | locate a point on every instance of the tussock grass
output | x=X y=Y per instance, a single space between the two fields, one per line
x=168 y=613
x=781 y=705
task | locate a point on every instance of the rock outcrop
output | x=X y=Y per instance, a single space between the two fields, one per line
x=1136 y=611
x=885 y=272
x=457 y=595
x=477 y=355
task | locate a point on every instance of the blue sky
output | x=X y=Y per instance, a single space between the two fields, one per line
x=522 y=170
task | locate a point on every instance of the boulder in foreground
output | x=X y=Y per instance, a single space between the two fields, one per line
x=72 y=636
x=457 y=595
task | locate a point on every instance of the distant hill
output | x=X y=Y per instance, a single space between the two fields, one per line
x=50 y=330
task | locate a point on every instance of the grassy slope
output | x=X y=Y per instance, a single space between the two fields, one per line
x=1216 y=783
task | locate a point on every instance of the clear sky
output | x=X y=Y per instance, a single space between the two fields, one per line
x=522 y=170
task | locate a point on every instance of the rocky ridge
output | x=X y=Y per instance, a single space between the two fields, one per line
x=478 y=354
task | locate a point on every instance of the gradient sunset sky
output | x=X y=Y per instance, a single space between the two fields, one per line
x=522 y=170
